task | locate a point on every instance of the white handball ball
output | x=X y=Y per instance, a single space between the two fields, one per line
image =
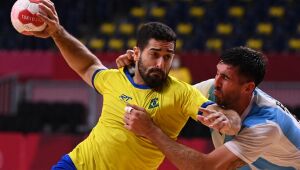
x=24 y=16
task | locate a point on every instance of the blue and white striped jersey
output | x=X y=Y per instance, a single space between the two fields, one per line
x=269 y=137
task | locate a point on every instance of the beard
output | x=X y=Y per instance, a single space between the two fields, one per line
x=225 y=100
x=153 y=77
x=220 y=98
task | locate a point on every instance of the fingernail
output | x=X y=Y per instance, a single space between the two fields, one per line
x=128 y=109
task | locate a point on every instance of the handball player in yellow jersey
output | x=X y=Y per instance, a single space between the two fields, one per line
x=168 y=101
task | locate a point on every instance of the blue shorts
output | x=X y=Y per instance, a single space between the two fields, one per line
x=65 y=163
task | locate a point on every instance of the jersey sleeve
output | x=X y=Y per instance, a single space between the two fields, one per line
x=98 y=80
x=204 y=87
x=195 y=99
x=251 y=142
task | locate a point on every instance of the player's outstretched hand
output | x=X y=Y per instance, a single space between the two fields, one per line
x=215 y=120
x=138 y=120
x=49 y=15
x=125 y=59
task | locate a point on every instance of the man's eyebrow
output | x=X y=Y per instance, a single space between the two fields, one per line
x=159 y=49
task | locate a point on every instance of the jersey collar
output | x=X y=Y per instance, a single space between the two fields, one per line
x=130 y=78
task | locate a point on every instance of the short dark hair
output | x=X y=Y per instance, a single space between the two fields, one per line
x=251 y=64
x=156 y=30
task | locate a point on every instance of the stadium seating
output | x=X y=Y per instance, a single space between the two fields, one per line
x=272 y=24
x=254 y=43
x=96 y=43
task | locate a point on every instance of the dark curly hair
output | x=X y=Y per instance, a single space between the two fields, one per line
x=155 y=30
x=251 y=64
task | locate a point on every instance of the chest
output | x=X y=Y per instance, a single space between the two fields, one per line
x=165 y=108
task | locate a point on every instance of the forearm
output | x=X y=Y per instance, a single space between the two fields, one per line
x=182 y=157
x=78 y=57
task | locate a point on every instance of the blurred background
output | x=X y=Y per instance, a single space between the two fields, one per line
x=46 y=110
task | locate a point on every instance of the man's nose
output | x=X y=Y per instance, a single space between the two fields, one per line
x=160 y=62
x=217 y=80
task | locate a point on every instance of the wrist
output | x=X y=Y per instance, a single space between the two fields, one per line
x=60 y=30
x=152 y=132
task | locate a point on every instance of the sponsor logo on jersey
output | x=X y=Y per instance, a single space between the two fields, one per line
x=125 y=98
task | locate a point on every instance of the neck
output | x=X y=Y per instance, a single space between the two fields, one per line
x=137 y=78
x=242 y=105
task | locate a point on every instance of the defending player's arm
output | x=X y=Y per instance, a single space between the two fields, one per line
x=225 y=121
x=230 y=124
x=184 y=158
x=78 y=57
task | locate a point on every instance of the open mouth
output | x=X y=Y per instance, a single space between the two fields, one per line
x=217 y=92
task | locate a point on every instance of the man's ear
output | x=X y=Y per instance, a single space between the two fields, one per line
x=250 y=86
x=136 y=54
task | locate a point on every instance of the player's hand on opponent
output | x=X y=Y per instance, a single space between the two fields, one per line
x=138 y=120
x=125 y=59
x=215 y=120
x=49 y=15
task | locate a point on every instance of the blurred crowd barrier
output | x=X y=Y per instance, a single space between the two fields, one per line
x=50 y=65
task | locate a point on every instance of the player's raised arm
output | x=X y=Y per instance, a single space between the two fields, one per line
x=78 y=57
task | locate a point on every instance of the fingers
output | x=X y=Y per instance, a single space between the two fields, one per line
x=128 y=116
x=44 y=17
x=46 y=12
x=133 y=112
x=204 y=120
x=201 y=109
x=215 y=120
x=205 y=111
x=128 y=109
x=125 y=59
x=136 y=107
x=122 y=61
x=130 y=54
x=49 y=5
x=218 y=123
x=126 y=120
x=201 y=119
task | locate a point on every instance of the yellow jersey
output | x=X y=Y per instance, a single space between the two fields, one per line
x=110 y=145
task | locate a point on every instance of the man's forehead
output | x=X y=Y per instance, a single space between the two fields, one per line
x=158 y=45
x=221 y=66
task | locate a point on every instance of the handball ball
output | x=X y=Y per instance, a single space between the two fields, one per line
x=23 y=16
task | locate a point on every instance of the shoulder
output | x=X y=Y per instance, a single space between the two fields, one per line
x=181 y=88
x=173 y=82
x=263 y=109
x=105 y=73
x=103 y=77
x=205 y=87
x=204 y=84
